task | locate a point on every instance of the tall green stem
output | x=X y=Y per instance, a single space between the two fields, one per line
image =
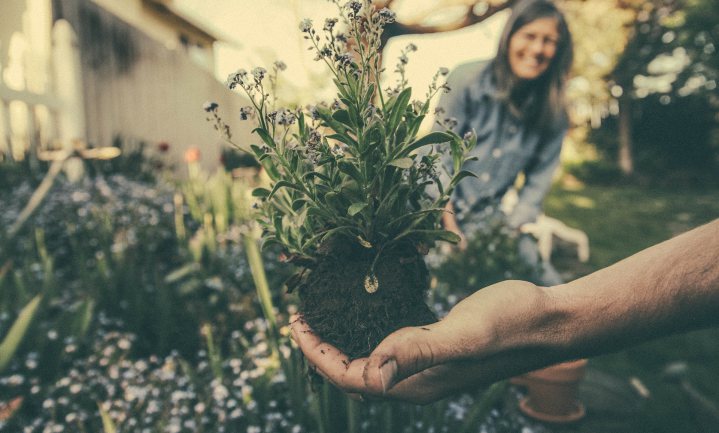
x=263 y=290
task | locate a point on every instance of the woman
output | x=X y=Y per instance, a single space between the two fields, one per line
x=515 y=105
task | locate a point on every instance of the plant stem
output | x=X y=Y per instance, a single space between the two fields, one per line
x=263 y=290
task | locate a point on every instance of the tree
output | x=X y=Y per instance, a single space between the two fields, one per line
x=456 y=14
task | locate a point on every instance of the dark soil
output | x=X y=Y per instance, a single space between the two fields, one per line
x=336 y=305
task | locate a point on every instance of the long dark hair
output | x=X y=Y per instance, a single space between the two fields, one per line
x=542 y=104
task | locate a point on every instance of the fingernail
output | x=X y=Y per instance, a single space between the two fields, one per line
x=387 y=373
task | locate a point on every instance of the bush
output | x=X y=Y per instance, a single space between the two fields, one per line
x=492 y=255
x=675 y=143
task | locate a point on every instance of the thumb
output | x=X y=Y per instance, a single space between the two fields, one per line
x=402 y=354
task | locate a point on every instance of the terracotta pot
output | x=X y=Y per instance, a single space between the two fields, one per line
x=552 y=392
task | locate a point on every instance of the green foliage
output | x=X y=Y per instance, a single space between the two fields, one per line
x=12 y=340
x=491 y=256
x=675 y=142
x=351 y=169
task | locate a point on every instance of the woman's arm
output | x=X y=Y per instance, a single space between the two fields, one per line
x=513 y=327
x=538 y=181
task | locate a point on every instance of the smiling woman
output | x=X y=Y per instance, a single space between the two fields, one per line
x=533 y=47
x=515 y=105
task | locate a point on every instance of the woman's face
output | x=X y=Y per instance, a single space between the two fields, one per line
x=532 y=48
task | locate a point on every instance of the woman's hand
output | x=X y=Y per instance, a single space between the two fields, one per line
x=426 y=363
x=449 y=222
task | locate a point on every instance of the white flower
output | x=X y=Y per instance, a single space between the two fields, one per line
x=306 y=25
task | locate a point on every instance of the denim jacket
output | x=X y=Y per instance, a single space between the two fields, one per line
x=505 y=147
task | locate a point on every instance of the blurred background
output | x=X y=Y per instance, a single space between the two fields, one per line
x=132 y=293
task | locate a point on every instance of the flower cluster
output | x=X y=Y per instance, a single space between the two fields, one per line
x=357 y=167
x=160 y=393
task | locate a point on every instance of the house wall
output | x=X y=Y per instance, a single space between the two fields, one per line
x=163 y=29
x=137 y=89
x=25 y=76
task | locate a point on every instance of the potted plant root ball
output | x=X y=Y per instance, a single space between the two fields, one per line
x=356 y=195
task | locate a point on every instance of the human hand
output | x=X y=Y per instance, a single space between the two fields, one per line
x=449 y=222
x=468 y=348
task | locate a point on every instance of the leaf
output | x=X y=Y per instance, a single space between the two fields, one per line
x=344 y=138
x=182 y=272
x=328 y=233
x=311 y=174
x=459 y=176
x=301 y=123
x=285 y=184
x=457 y=154
x=260 y=192
x=398 y=108
x=431 y=138
x=444 y=235
x=265 y=136
x=368 y=95
x=365 y=243
x=350 y=169
x=17 y=332
x=257 y=151
x=402 y=162
x=84 y=319
x=298 y=204
x=270 y=169
x=418 y=214
x=107 y=425
x=401 y=133
x=344 y=117
x=355 y=208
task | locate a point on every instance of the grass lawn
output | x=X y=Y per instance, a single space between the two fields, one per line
x=621 y=220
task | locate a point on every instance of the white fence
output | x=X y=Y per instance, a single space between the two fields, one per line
x=79 y=76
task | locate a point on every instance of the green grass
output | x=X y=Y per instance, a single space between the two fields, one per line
x=620 y=221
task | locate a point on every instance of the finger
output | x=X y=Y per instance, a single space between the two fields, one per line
x=329 y=361
x=402 y=354
x=356 y=396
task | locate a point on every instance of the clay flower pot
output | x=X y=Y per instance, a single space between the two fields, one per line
x=552 y=392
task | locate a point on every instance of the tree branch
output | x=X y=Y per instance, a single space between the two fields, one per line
x=398 y=29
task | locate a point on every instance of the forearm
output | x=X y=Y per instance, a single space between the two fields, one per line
x=670 y=287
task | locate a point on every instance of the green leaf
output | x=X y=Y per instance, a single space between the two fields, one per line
x=417 y=216
x=181 y=272
x=350 y=169
x=17 y=332
x=311 y=174
x=301 y=123
x=368 y=95
x=401 y=133
x=459 y=176
x=431 y=138
x=270 y=168
x=344 y=138
x=444 y=235
x=355 y=208
x=298 y=204
x=344 y=117
x=257 y=151
x=457 y=154
x=348 y=230
x=81 y=322
x=265 y=136
x=398 y=108
x=402 y=162
x=107 y=425
x=260 y=192
x=283 y=184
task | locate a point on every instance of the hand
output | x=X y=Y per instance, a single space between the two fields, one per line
x=426 y=363
x=449 y=222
